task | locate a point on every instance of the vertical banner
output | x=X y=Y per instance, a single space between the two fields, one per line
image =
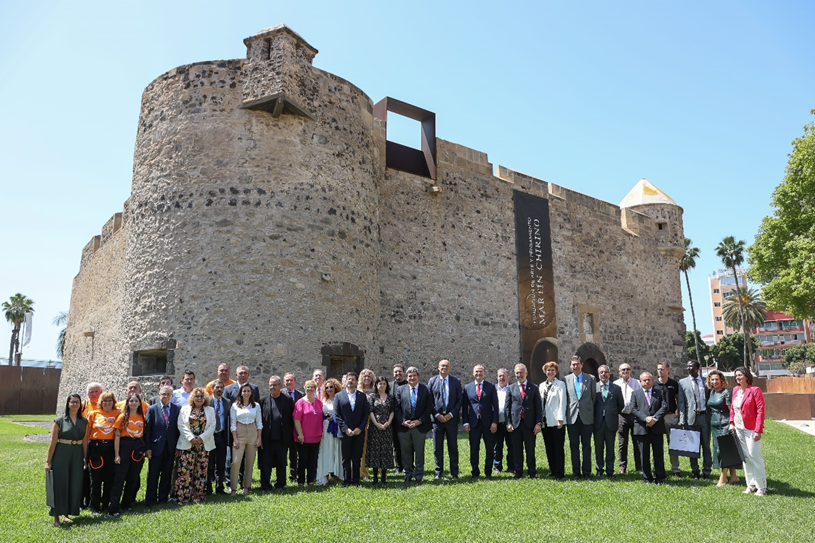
x=536 y=289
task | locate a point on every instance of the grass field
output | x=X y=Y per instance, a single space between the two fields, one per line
x=499 y=510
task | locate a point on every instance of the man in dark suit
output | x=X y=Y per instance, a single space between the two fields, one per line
x=165 y=380
x=398 y=380
x=161 y=437
x=242 y=375
x=413 y=408
x=607 y=406
x=290 y=384
x=216 y=471
x=693 y=396
x=524 y=415
x=447 y=397
x=351 y=410
x=648 y=407
x=277 y=434
x=480 y=415
x=580 y=396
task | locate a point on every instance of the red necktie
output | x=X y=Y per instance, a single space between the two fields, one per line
x=478 y=391
x=523 y=392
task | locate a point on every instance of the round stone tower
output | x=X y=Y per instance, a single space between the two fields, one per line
x=253 y=221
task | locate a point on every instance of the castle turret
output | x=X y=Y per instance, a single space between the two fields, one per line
x=648 y=199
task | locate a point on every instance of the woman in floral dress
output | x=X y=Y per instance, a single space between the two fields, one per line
x=379 y=455
x=196 y=426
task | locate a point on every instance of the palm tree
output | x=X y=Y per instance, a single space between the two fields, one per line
x=15 y=310
x=61 y=320
x=753 y=313
x=732 y=254
x=689 y=261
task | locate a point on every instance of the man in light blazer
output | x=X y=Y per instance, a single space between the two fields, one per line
x=161 y=436
x=413 y=408
x=447 y=398
x=524 y=415
x=607 y=406
x=580 y=396
x=648 y=406
x=351 y=410
x=693 y=396
x=480 y=415
x=216 y=471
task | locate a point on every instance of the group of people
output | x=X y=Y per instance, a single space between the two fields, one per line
x=364 y=426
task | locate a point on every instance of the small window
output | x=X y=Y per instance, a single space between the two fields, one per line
x=715 y=291
x=719 y=332
x=152 y=362
x=716 y=304
x=718 y=319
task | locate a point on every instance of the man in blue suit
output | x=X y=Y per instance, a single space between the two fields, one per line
x=351 y=410
x=161 y=436
x=480 y=415
x=524 y=415
x=608 y=405
x=447 y=398
x=414 y=405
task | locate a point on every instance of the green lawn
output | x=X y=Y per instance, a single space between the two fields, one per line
x=499 y=510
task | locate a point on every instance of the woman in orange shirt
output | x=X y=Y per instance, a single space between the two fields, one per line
x=101 y=432
x=128 y=449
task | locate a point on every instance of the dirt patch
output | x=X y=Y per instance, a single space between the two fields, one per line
x=36 y=438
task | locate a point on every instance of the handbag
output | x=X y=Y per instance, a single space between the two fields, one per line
x=685 y=443
x=49 y=489
x=730 y=453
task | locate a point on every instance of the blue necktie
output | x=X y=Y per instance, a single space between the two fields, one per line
x=577 y=386
x=444 y=393
x=412 y=401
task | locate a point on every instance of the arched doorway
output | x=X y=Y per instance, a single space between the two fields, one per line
x=544 y=351
x=592 y=358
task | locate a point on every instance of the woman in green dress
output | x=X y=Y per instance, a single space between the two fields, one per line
x=66 y=459
x=719 y=405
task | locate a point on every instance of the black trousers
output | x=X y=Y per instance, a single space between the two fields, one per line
x=523 y=438
x=216 y=472
x=397 y=449
x=580 y=437
x=624 y=430
x=447 y=431
x=101 y=467
x=478 y=434
x=351 y=447
x=646 y=445
x=159 y=477
x=502 y=435
x=307 y=462
x=554 y=439
x=604 y=446
x=274 y=458
x=293 y=459
x=126 y=476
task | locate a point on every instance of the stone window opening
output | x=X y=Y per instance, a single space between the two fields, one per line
x=420 y=162
x=149 y=362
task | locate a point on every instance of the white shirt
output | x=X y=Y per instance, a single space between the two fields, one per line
x=245 y=415
x=181 y=397
x=502 y=400
x=628 y=389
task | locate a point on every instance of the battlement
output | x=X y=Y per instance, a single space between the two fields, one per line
x=110 y=229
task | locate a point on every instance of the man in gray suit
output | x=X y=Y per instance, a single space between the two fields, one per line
x=607 y=407
x=581 y=394
x=693 y=397
x=414 y=405
x=447 y=399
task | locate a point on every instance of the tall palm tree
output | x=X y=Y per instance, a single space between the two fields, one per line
x=689 y=261
x=753 y=313
x=61 y=320
x=15 y=310
x=732 y=254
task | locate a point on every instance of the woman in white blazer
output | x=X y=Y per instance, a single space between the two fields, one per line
x=196 y=428
x=553 y=398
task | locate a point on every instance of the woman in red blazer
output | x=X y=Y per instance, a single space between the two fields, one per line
x=747 y=422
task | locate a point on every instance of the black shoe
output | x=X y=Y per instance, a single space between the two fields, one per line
x=660 y=481
x=222 y=491
x=610 y=476
x=576 y=478
x=696 y=476
x=706 y=477
x=677 y=474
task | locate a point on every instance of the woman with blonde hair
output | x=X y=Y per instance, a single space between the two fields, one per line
x=719 y=405
x=366 y=385
x=101 y=433
x=329 y=458
x=196 y=429
x=553 y=398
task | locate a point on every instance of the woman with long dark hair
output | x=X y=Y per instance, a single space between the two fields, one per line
x=246 y=425
x=129 y=450
x=66 y=460
x=747 y=422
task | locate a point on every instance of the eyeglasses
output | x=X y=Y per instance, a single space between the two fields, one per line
x=625 y=369
x=329 y=388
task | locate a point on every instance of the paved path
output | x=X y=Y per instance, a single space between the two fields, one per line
x=807 y=426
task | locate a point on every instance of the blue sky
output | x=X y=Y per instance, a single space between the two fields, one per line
x=701 y=98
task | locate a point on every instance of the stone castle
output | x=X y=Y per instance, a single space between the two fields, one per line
x=271 y=223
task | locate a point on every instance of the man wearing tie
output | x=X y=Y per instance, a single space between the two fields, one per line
x=648 y=407
x=216 y=471
x=693 y=395
x=447 y=398
x=580 y=397
x=607 y=407
x=524 y=415
x=414 y=405
x=626 y=428
x=351 y=410
x=161 y=437
x=480 y=414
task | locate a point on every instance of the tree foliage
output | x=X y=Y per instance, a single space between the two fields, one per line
x=689 y=262
x=783 y=255
x=728 y=351
x=691 y=344
x=800 y=357
x=61 y=320
x=14 y=310
x=732 y=254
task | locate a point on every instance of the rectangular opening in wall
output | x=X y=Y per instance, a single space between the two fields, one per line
x=150 y=362
x=410 y=137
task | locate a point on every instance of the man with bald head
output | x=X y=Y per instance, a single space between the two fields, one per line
x=277 y=410
x=648 y=406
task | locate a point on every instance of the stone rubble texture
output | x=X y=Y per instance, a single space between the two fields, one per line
x=260 y=240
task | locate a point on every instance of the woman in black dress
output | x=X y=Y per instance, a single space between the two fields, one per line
x=380 y=434
x=66 y=460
